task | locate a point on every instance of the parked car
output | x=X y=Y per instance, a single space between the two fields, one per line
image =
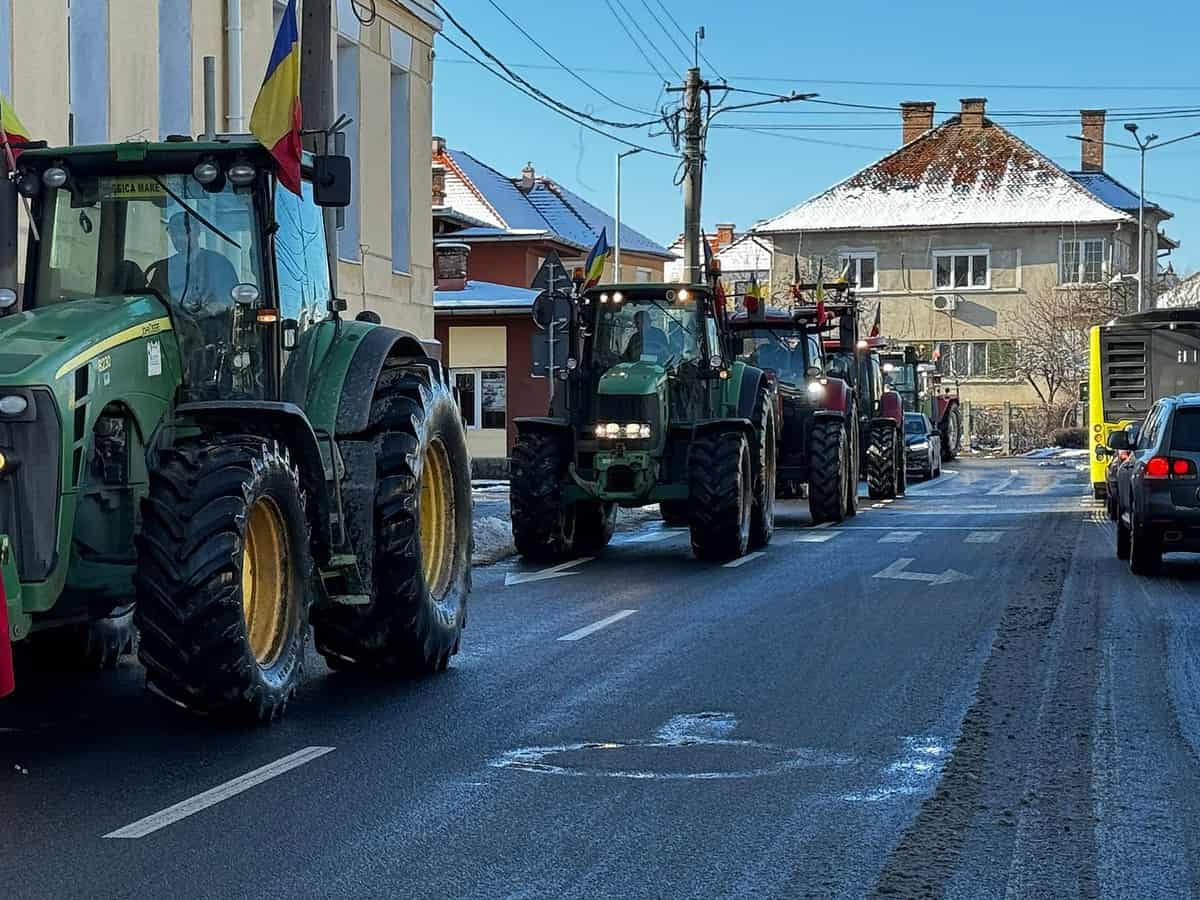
x=922 y=446
x=1158 y=488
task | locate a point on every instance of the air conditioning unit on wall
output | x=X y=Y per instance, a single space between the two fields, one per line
x=946 y=303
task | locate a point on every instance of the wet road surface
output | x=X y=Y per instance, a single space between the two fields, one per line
x=959 y=694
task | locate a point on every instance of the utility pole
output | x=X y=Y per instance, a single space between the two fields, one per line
x=317 y=100
x=693 y=175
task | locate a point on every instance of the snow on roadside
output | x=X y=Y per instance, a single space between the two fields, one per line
x=493 y=541
x=1056 y=453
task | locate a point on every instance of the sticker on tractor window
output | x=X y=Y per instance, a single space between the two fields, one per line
x=131 y=189
x=153 y=358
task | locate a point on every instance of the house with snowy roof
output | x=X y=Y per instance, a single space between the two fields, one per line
x=491 y=235
x=1184 y=293
x=954 y=234
x=742 y=254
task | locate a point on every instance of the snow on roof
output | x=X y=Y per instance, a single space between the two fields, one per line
x=1186 y=293
x=477 y=190
x=484 y=295
x=951 y=176
x=746 y=253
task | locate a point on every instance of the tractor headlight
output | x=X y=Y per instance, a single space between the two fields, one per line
x=13 y=405
x=206 y=171
x=54 y=177
x=242 y=174
x=633 y=431
x=816 y=389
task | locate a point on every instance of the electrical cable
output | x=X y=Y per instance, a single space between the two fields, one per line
x=686 y=39
x=633 y=40
x=649 y=41
x=670 y=37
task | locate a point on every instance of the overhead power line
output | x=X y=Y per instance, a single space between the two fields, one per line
x=688 y=40
x=805 y=140
x=649 y=41
x=629 y=34
x=574 y=74
x=687 y=59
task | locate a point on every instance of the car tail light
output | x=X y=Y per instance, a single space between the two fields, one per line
x=1183 y=468
x=1158 y=467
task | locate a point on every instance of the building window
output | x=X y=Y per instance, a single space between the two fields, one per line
x=482 y=395
x=1081 y=262
x=347 y=104
x=859 y=266
x=644 y=276
x=977 y=359
x=962 y=270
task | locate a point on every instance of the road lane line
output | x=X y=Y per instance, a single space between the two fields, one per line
x=982 y=537
x=742 y=560
x=923 y=528
x=596 y=626
x=823 y=525
x=213 y=796
x=807 y=537
x=899 y=537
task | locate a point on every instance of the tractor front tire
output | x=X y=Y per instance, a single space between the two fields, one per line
x=595 y=523
x=420 y=550
x=882 y=478
x=830 y=470
x=950 y=429
x=543 y=523
x=763 y=450
x=721 y=484
x=224 y=577
x=674 y=512
x=92 y=647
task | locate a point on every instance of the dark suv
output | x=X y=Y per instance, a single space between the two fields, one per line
x=1158 y=491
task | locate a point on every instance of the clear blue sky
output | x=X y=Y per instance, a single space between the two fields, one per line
x=1023 y=56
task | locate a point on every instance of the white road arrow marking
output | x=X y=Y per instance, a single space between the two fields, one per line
x=559 y=571
x=742 y=560
x=897 y=572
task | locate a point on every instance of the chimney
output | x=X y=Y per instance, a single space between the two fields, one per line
x=528 y=176
x=450 y=265
x=971 y=115
x=724 y=235
x=1092 y=150
x=439 y=186
x=917 y=118
x=439 y=145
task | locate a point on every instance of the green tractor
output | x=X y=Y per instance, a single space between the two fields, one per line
x=195 y=441
x=651 y=408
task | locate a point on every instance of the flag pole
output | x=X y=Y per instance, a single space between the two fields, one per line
x=11 y=159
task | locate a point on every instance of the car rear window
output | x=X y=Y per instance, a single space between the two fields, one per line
x=1185 y=430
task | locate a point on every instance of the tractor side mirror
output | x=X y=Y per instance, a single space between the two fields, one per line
x=290 y=329
x=8 y=301
x=813 y=372
x=331 y=181
x=1118 y=441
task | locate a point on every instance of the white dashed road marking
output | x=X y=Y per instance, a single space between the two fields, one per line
x=742 y=560
x=982 y=537
x=899 y=537
x=596 y=626
x=213 y=796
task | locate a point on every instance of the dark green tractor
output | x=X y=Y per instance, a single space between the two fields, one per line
x=195 y=440
x=651 y=408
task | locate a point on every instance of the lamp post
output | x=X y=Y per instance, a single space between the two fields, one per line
x=1143 y=146
x=617 y=229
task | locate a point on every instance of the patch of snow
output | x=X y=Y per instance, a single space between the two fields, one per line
x=493 y=541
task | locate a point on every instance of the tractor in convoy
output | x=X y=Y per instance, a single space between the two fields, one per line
x=650 y=407
x=195 y=440
x=819 y=432
x=856 y=361
x=920 y=385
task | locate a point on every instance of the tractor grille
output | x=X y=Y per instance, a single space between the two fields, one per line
x=623 y=410
x=29 y=494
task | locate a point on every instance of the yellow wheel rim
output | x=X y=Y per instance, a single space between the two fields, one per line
x=264 y=581
x=437 y=519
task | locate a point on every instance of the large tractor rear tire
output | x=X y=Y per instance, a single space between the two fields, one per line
x=830 y=469
x=543 y=522
x=882 y=468
x=674 y=512
x=420 y=549
x=764 y=460
x=224 y=577
x=721 y=484
x=595 y=523
x=94 y=646
x=950 y=429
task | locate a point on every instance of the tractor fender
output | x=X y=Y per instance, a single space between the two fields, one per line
x=707 y=426
x=837 y=399
x=891 y=406
x=943 y=404
x=541 y=424
x=752 y=381
x=379 y=344
x=288 y=424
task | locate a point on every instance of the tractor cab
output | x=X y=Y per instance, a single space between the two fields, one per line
x=920 y=384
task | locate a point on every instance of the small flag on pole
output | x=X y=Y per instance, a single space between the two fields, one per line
x=593 y=269
x=12 y=132
x=276 y=117
x=796 y=277
x=822 y=315
x=876 y=325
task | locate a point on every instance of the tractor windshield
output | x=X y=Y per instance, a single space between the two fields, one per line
x=787 y=353
x=900 y=377
x=112 y=235
x=645 y=330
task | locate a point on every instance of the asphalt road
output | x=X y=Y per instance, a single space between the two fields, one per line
x=959 y=694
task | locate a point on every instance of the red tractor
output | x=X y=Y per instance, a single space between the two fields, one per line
x=920 y=384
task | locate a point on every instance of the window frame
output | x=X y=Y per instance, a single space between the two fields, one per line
x=946 y=357
x=1081 y=265
x=970 y=254
x=855 y=257
x=477 y=373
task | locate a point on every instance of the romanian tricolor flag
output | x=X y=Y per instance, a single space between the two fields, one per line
x=13 y=135
x=593 y=269
x=276 y=117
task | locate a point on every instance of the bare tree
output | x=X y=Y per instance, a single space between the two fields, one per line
x=1052 y=348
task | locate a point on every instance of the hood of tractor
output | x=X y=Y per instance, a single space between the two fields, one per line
x=42 y=345
x=633 y=379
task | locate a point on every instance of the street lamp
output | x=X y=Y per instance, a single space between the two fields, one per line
x=1143 y=146
x=617 y=235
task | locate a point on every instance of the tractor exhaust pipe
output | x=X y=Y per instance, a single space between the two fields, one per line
x=210 y=98
x=8 y=231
